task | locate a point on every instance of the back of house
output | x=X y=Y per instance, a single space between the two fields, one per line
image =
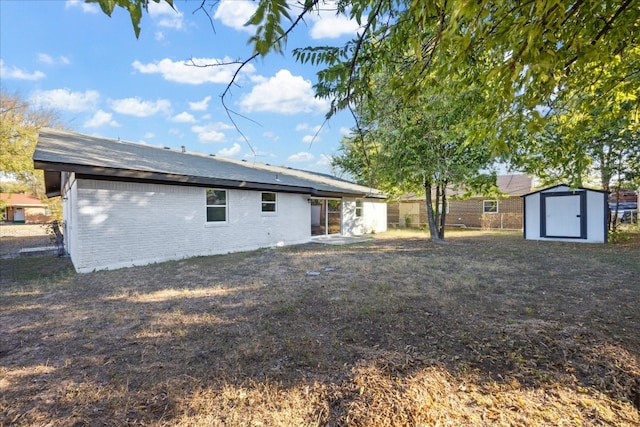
x=128 y=204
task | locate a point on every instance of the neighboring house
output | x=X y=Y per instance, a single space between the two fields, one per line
x=23 y=209
x=474 y=212
x=566 y=214
x=129 y=204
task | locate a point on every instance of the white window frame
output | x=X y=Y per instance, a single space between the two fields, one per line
x=218 y=206
x=359 y=208
x=487 y=204
x=273 y=203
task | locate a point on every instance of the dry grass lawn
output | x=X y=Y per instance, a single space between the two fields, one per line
x=396 y=331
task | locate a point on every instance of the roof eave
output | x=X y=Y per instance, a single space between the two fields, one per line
x=53 y=182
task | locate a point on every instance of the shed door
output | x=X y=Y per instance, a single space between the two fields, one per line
x=563 y=215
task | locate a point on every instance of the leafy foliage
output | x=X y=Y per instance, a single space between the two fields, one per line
x=591 y=135
x=558 y=80
x=415 y=148
x=19 y=125
x=133 y=7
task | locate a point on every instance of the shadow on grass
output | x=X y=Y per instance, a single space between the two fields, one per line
x=391 y=332
x=23 y=270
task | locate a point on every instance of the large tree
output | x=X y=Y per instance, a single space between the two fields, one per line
x=422 y=147
x=535 y=49
x=536 y=56
x=19 y=126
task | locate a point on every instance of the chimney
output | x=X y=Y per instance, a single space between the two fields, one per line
x=184 y=149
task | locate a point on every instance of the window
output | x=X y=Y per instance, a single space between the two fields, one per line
x=490 y=206
x=268 y=202
x=216 y=205
x=358 y=208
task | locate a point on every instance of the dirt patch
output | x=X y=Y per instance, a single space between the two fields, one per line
x=486 y=330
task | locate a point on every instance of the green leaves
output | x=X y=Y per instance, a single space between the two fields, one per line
x=270 y=34
x=133 y=7
x=19 y=126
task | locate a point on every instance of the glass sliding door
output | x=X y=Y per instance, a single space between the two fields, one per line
x=334 y=216
x=326 y=217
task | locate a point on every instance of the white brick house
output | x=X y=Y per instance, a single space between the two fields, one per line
x=128 y=204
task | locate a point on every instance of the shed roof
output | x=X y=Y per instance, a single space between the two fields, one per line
x=102 y=158
x=17 y=199
x=567 y=187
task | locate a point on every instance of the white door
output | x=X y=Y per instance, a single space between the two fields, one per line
x=18 y=215
x=563 y=216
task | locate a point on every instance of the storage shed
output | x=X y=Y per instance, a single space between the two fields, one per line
x=566 y=214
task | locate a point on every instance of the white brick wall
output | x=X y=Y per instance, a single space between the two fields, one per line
x=375 y=215
x=119 y=224
x=373 y=219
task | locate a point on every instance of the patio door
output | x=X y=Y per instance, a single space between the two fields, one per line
x=326 y=217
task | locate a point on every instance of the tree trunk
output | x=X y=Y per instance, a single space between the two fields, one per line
x=443 y=214
x=431 y=217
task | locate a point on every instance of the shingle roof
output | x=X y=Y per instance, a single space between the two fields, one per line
x=509 y=185
x=58 y=151
x=14 y=199
x=514 y=185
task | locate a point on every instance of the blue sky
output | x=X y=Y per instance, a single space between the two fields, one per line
x=69 y=56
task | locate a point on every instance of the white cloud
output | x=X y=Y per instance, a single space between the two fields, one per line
x=211 y=132
x=200 y=105
x=324 y=160
x=49 y=60
x=235 y=14
x=19 y=74
x=101 y=118
x=345 y=131
x=149 y=135
x=139 y=108
x=300 y=157
x=306 y=127
x=86 y=7
x=64 y=99
x=271 y=135
x=206 y=70
x=183 y=117
x=332 y=27
x=228 y=152
x=308 y=139
x=176 y=132
x=283 y=93
x=166 y=16
x=327 y=24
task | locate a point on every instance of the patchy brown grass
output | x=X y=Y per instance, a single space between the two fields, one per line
x=487 y=329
